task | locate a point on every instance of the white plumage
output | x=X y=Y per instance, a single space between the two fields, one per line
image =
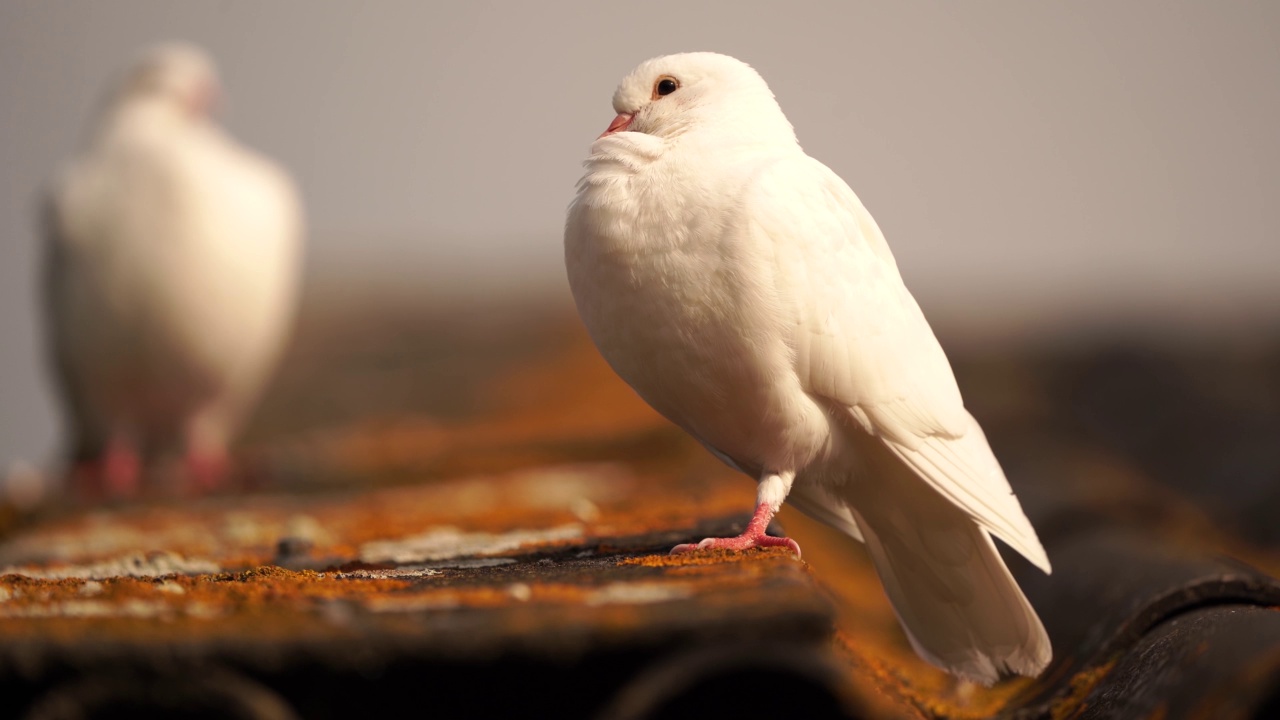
x=171 y=276
x=746 y=294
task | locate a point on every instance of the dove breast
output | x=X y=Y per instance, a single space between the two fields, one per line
x=172 y=273
x=660 y=236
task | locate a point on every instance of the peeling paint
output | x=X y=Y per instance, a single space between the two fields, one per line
x=149 y=565
x=638 y=593
x=444 y=543
x=89 y=609
x=470 y=563
x=390 y=573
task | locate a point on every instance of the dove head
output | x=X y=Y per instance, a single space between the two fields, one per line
x=180 y=75
x=670 y=96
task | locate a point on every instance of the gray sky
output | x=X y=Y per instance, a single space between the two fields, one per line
x=1034 y=165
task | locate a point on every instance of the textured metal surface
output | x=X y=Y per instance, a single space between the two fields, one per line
x=471 y=519
x=542 y=572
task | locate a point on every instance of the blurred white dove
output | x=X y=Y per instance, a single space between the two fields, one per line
x=172 y=262
x=741 y=288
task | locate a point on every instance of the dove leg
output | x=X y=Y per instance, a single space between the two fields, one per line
x=770 y=494
x=207 y=470
x=116 y=473
x=206 y=461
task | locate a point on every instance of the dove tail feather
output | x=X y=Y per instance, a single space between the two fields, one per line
x=968 y=474
x=953 y=594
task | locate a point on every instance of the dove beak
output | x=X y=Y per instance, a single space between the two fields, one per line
x=205 y=100
x=619 y=124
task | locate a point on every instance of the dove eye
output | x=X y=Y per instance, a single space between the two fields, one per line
x=665 y=86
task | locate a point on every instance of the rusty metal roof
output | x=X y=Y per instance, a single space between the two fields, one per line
x=471 y=520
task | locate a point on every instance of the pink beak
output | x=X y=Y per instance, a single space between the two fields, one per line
x=619 y=124
x=205 y=99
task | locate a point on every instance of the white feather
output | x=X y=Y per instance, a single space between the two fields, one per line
x=173 y=255
x=745 y=293
x=861 y=340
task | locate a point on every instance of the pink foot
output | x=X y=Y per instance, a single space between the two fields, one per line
x=752 y=537
x=207 y=472
x=117 y=473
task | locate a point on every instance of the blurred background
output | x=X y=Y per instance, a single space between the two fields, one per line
x=1082 y=196
x=1044 y=172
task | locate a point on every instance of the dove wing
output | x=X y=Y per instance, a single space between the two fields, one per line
x=860 y=340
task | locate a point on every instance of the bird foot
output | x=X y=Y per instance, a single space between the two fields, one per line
x=207 y=472
x=117 y=473
x=745 y=541
x=753 y=536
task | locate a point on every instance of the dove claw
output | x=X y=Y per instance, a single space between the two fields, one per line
x=745 y=541
x=754 y=536
x=206 y=472
x=115 y=473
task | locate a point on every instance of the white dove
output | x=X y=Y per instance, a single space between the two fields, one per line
x=741 y=288
x=172 y=263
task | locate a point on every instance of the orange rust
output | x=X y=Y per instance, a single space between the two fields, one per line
x=245 y=536
x=271 y=602
x=564 y=410
x=709 y=557
x=593 y=413
x=874 y=685
x=869 y=633
x=552 y=408
x=1072 y=704
x=257 y=585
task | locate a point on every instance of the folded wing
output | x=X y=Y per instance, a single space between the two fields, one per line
x=861 y=341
